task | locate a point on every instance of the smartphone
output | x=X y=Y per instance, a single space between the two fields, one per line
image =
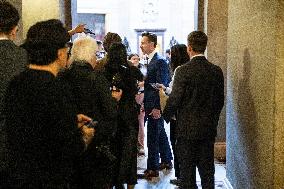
x=155 y=85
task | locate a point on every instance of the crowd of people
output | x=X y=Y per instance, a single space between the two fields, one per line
x=72 y=117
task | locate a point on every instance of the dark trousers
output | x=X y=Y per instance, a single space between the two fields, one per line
x=192 y=154
x=157 y=143
x=173 y=138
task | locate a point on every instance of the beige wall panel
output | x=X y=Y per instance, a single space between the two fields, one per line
x=38 y=10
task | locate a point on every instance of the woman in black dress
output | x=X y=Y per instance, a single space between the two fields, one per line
x=122 y=76
x=44 y=132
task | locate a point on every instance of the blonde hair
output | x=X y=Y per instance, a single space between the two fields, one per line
x=84 y=48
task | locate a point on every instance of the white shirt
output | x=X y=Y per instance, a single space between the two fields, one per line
x=196 y=56
x=168 y=89
x=150 y=56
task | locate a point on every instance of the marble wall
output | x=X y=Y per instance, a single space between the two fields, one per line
x=255 y=102
x=216 y=26
x=34 y=11
x=279 y=98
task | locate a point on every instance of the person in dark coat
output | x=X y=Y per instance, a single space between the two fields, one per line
x=13 y=60
x=197 y=98
x=134 y=60
x=93 y=98
x=122 y=76
x=44 y=131
x=109 y=39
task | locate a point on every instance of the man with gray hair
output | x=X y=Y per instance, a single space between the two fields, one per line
x=93 y=97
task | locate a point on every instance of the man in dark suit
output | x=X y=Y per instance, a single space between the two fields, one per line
x=12 y=60
x=157 y=140
x=197 y=98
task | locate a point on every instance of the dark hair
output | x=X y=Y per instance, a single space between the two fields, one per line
x=198 y=41
x=99 y=42
x=109 y=39
x=179 y=56
x=117 y=67
x=43 y=41
x=168 y=51
x=116 y=58
x=151 y=37
x=131 y=55
x=9 y=17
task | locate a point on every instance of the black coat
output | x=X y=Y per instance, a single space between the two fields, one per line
x=197 y=98
x=42 y=133
x=13 y=60
x=93 y=98
x=127 y=129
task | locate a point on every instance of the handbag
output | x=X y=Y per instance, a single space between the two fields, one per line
x=163 y=99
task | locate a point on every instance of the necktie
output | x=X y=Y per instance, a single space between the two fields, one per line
x=147 y=61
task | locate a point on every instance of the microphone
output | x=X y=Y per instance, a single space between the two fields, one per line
x=86 y=30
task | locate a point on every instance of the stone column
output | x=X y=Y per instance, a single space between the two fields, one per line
x=255 y=94
x=213 y=17
x=199 y=13
x=65 y=13
x=35 y=11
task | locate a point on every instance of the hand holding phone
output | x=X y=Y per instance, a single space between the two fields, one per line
x=155 y=85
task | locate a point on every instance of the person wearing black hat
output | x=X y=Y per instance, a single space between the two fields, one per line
x=44 y=131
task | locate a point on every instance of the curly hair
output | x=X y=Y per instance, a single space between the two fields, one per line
x=117 y=65
x=117 y=57
x=84 y=48
x=109 y=39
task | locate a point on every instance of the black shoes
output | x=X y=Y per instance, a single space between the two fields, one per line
x=167 y=166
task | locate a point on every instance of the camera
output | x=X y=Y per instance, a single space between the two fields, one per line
x=88 y=31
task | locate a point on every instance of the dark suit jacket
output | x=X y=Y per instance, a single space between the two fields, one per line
x=157 y=72
x=198 y=98
x=13 y=59
x=42 y=133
